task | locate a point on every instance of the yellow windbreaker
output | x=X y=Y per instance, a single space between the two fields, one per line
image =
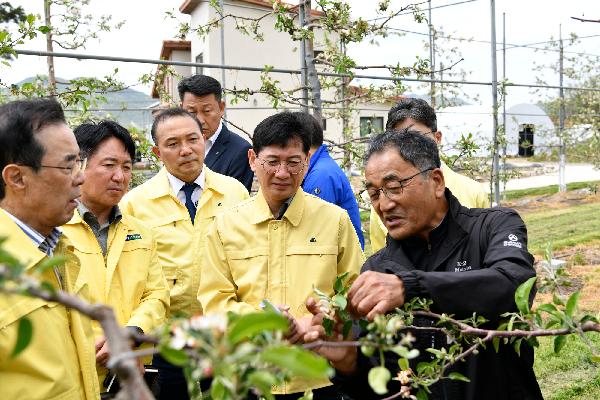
x=469 y=193
x=129 y=278
x=251 y=256
x=180 y=244
x=59 y=362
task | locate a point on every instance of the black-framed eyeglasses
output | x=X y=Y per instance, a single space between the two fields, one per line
x=77 y=167
x=393 y=189
x=294 y=167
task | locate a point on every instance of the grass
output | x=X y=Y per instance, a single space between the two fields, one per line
x=570 y=374
x=564 y=227
x=546 y=190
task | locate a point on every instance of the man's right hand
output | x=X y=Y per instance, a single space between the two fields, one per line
x=342 y=359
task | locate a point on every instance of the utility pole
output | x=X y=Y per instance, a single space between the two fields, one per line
x=49 y=47
x=431 y=58
x=504 y=100
x=222 y=11
x=442 y=104
x=562 y=184
x=495 y=161
x=303 y=66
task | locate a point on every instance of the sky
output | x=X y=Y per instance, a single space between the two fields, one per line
x=527 y=21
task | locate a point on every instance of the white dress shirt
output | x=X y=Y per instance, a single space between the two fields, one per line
x=211 y=141
x=177 y=185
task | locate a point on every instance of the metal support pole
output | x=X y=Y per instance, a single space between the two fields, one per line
x=495 y=160
x=431 y=59
x=504 y=142
x=80 y=56
x=222 y=11
x=303 y=66
x=562 y=184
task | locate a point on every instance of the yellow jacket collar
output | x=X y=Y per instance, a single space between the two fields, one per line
x=293 y=214
x=162 y=187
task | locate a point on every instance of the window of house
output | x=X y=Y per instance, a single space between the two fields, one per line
x=199 y=60
x=316 y=54
x=370 y=125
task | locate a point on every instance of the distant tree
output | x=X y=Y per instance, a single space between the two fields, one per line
x=9 y=13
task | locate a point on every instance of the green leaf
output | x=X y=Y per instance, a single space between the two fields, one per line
x=496 y=343
x=340 y=301
x=522 y=295
x=347 y=328
x=338 y=286
x=572 y=304
x=251 y=324
x=422 y=395
x=557 y=300
x=549 y=308
x=24 y=335
x=263 y=381
x=174 y=356
x=595 y=358
x=44 y=29
x=378 y=379
x=589 y=318
x=517 y=346
x=455 y=376
x=559 y=343
x=328 y=326
x=50 y=262
x=367 y=350
x=298 y=361
x=403 y=364
x=217 y=389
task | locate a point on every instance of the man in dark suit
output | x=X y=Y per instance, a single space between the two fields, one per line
x=226 y=152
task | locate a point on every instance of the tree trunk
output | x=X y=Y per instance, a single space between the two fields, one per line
x=50 y=48
x=313 y=78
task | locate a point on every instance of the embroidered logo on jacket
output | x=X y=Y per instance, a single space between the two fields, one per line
x=461 y=266
x=513 y=241
x=133 y=236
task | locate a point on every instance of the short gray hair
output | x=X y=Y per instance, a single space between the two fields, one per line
x=412 y=146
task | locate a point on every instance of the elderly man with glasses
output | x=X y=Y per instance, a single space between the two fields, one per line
x=41 y=178
x=279 y=244
x=464 y=260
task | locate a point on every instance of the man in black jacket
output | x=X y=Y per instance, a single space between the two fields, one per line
x=465 y=260
x=226 y=152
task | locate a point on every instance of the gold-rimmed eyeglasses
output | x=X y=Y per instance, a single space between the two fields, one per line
x=77 y=167
x=294 y=167
x=393 y=189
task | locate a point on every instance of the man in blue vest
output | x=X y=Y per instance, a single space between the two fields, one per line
x=324 y=177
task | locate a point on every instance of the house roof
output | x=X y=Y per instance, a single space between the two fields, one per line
x=189 y=5
x=168 y=46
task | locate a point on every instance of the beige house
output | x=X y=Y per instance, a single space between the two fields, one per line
x=277 y=50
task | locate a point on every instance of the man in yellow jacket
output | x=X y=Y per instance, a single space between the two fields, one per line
x=117 y=253
x=179 y=204
x=281 y=243
x=417 y=115
x=41 y=175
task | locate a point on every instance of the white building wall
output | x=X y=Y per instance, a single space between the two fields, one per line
x=276 y=50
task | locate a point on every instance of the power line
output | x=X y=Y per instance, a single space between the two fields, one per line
x=79 y=56
x=528 y=46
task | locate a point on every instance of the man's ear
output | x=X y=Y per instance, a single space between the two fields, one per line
x=156 y=151
x=222 y=107
x=440 y=183
x=13 y=177
x=438 y=137
x=252 y=159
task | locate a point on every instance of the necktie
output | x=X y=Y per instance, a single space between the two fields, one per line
x=188 y=189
